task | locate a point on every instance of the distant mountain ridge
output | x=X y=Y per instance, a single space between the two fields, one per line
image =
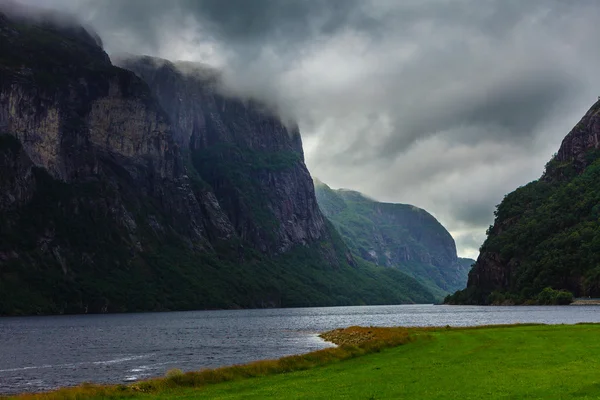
x=401 y=236
x=546 y=234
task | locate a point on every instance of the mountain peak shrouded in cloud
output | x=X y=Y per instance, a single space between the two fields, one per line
x=68 y=24
x=443 y=104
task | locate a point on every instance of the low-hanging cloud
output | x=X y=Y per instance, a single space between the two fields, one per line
x=447 y=105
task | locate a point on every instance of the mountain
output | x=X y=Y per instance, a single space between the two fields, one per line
x=151 y=190
x=253 y=163
x=396 y=235
x=546 y=234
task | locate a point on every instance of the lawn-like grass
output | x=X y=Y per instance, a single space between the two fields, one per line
x=516 y=362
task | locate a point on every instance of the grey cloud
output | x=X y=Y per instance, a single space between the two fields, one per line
x=477 y=212
x=244 y=25
x=508 y=112
x=469 y=242
x=519 y=105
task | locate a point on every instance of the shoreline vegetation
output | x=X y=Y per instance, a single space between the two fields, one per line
x=351 y=342
x=547 y=297
x=494 y=361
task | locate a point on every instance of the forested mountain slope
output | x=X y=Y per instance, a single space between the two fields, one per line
x=546 y=233
x=402 y=236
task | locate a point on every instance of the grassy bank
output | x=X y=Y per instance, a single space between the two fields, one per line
x=535 y=362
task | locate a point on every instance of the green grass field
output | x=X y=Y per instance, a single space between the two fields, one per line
x=516 y=362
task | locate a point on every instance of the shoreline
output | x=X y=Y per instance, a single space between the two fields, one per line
x=586 y=302
x=7 y=316
x=350 y=343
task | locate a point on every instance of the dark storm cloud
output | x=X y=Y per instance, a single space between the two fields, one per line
x=508 y=112
x=517 y=106
x=445 y=104
x=247 y=25
x=274 y=20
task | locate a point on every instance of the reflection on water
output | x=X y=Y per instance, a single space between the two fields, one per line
x=40 y=353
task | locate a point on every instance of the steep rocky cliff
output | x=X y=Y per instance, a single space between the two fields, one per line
x=576 y=146
x=112 y=201
x=546 y=233
x=254 y=163
x=396 y=235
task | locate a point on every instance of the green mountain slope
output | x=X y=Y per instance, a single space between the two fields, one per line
x=546 y=233
x=54 y=260
x=396 y=235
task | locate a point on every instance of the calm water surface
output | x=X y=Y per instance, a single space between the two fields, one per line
x=41 y=353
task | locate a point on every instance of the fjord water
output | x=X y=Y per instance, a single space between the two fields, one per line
x=41 y=353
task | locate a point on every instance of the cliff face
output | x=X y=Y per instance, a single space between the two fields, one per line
x=584 y=137
x=254 y=163
x=545 y=233
x=120 y=196
x=78 y=118
x=396 y=235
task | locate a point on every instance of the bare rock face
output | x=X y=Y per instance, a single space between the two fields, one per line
x=50 y=123
x=583 y=137
x=254 y=162
x=129 y=128
x=36 y=127
x=17 y=182
x=491 y=272
x=79 y=118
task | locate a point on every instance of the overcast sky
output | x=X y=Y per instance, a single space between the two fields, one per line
x=446 y=105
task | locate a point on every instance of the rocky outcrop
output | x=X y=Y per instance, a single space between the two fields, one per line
x=582 y=138
x=491 y=272
x=396 y=235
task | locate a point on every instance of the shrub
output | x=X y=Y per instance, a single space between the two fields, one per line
x=564 y=297
x=549 y=296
